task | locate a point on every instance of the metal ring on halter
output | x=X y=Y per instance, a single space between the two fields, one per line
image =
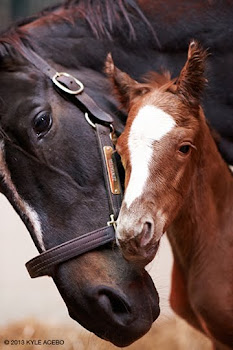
x=112 y=128
x=112 y=133
x=89 y=120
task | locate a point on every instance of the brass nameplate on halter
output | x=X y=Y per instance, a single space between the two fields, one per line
x=112 y=170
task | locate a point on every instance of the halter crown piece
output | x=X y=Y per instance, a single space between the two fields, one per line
x=102 y=122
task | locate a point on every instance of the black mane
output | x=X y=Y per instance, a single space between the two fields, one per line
x=103 y=17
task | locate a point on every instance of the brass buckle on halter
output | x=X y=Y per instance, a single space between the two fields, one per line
x=112 y=222
x=64 y=88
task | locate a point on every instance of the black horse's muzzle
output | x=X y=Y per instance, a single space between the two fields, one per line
x=119 y=309
x=123 y=308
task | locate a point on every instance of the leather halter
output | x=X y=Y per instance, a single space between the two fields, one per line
x=45 y=263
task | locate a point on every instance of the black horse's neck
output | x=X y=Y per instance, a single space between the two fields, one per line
x=148 y=29
x=143 y=36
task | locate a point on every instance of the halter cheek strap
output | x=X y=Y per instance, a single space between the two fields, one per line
x=45 y=263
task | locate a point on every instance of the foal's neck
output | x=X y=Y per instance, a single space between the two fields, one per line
x=207 y=214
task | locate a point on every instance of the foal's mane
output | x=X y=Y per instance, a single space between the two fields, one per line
x=161 y=81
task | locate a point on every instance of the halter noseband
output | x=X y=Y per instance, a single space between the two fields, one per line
x=44 y=263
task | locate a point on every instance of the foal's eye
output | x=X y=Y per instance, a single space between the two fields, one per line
x=184 y=149
x=42 y=123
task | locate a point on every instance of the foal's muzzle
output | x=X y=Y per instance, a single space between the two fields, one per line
x=137 y=241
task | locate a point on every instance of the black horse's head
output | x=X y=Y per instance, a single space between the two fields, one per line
x=50 y=170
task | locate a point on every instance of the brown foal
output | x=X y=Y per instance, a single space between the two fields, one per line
x=177 y=182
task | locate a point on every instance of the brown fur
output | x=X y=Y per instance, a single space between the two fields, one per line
x=193 y=193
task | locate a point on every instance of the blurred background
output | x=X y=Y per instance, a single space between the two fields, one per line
x=12 y=10
x=33 y=308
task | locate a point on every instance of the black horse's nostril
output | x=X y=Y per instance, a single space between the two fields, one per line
x=146 y=234
x=111 y=304
x=116 y=304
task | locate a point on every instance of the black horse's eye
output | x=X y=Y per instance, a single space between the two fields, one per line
x=42 y=123
x=184 y=149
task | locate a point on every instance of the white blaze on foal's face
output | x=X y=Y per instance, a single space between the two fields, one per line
x=149 y=125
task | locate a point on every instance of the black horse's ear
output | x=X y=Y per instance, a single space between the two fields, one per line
x=125 y=88
x=191 y=82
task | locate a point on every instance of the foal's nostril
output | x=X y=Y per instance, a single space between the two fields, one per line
x=146 y=234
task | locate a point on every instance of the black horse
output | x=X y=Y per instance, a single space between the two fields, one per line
x=50 y=167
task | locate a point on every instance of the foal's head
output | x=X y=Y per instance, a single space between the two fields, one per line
x=158 y=149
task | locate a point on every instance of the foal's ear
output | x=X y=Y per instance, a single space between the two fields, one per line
x=191 y=81
x=126 y=89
